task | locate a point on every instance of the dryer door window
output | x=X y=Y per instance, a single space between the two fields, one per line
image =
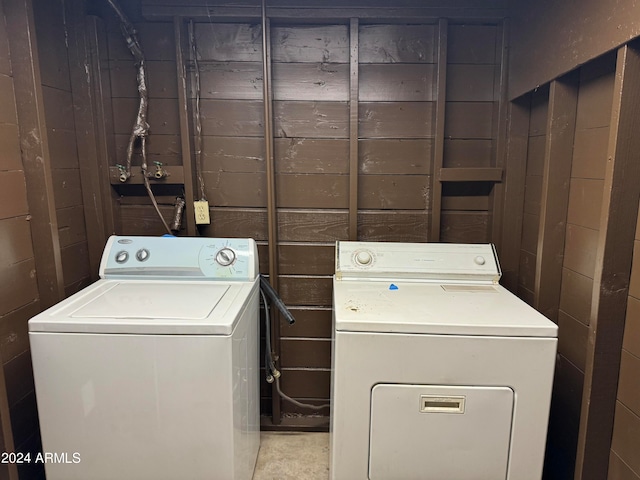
x=439 y=432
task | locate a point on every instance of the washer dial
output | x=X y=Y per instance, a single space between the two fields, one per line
x=363 y=258
x=225 y=257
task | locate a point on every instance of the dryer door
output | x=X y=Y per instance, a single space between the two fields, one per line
x=439 y=432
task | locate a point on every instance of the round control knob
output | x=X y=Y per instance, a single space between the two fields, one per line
x=363 y=258
x=122 y=256
x=479 y=260
x=225 y=257
x=142 y=254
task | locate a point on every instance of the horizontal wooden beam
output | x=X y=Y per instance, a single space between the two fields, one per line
x=471 y=174
x=414 y=15
x=175 y=175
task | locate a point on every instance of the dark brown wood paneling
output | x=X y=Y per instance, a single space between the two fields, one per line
x=464 y=227
x=475 y=44
x=5 y=63
x=396 y=83
x=395 y=156
x=13 y=194
x=232 y=189
x=590 y=153
x=618 y=470
x=229 y=80
x=58 y=108
x=306 y=259
x=311 y=82
x=580 y=249
x=585 y=202
x=539 y=109
x=14 y=330
x=628 y=384
x=9 y=147
x=19 y=377
x=229 y=41
x=634 y=281
x=143 y=219
x=572 y=339
x=312 y=225
x=594 y=104
x=160 y=75
x=397 y=192
x=532 y=194
x=160 y=148
x=310 y=43
x=52 y=43
x=631 y=341
x=71 y=225
x=535 y=155
x=575 y=296
x=464 y=153
x=7 y=101
x=233 y=154
x=305 y=353
x=63 y=149
x=393 y=226
x=15 y=241
x=527 y=271
x=67 y=187
x=530 y=226
x=24 y=419
x=310 y=323
x=468 y=120
x=626 y=436
x=306 y=383
x=312 y=191
x=305 y=290
x=397 y=44
x=396 y=120
x=311 y=119
x=311 y=155
x=75 y=262
x=235 y=222
x=471 y=83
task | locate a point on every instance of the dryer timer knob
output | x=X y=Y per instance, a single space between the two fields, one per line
x=479 y=260
x=225 y=257
x=363 y=258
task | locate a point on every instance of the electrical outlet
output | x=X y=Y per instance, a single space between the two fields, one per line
x=201 y=208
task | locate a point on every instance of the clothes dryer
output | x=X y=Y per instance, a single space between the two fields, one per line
x=438 y=372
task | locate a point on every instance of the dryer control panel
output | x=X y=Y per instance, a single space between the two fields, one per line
x=418 y=261
x=186 y=258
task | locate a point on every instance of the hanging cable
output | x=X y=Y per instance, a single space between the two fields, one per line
x=140 y=126
x=198 y=119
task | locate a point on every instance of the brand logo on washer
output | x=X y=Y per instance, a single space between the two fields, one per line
x=125 y=241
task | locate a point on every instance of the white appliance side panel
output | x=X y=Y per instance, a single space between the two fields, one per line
x=362 y=360
x=161 y=404
x=439 y=432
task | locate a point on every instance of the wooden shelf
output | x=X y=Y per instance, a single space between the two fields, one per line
x=471 y=174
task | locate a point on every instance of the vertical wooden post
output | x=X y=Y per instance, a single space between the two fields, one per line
x=500 y=134
x=438 y=150
x=613 y=269
x=272 y=214
x=185 y=134
x=103 y=122
x=353 y=130
x=515 y=177
x=86 y=139
x=34 y=144
x=556 y=175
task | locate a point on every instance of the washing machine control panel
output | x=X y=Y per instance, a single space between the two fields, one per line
x=419 y=261
x=186 y=258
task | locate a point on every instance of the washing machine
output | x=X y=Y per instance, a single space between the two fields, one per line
x=152 y=371
x=438 y=372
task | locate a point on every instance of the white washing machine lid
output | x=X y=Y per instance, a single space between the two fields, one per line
x=438 y=309
x=148 y=307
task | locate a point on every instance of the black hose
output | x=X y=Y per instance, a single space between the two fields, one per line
x=276 y=300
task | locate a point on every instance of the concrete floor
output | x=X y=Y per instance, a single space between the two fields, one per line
x=293 y=456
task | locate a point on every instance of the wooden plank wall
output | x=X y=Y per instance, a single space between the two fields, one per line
x=624 y=462
x=532 y=194
x=472 y=94
x=19 y=295
x=50 y=25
